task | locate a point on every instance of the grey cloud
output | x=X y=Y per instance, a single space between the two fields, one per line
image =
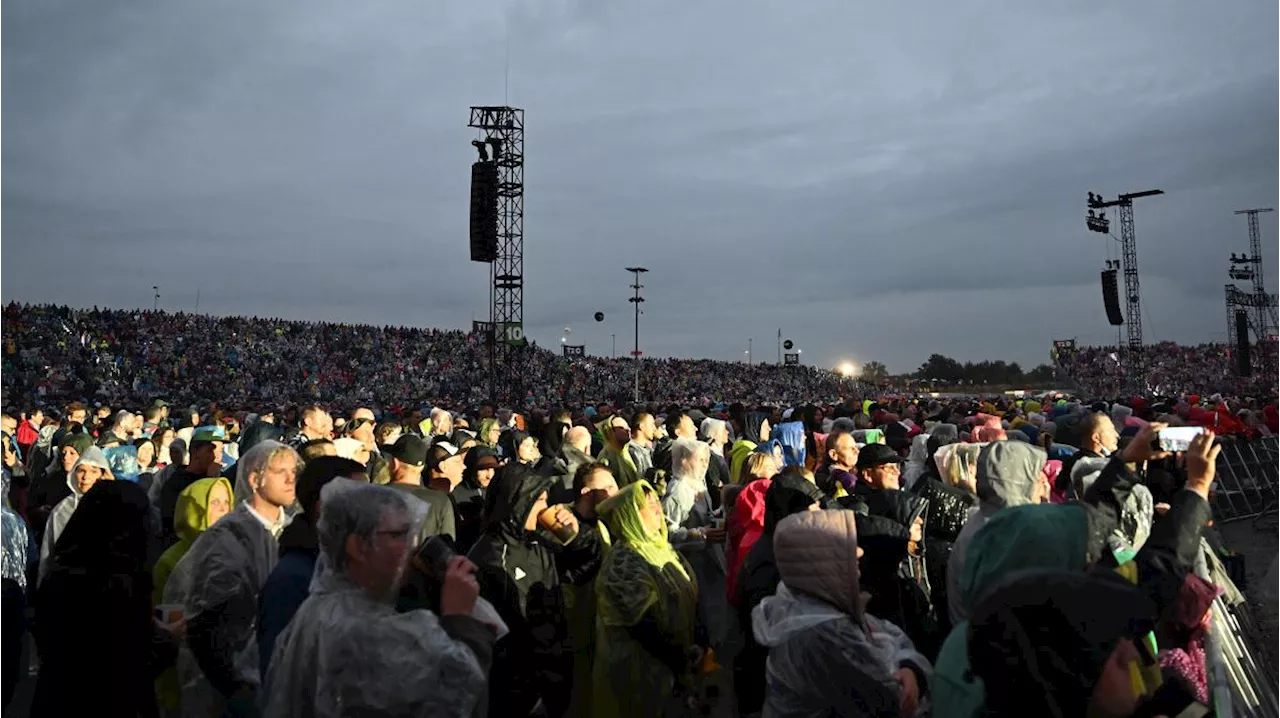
x=920 y=169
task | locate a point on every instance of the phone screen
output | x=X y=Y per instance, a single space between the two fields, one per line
x=1178 y=438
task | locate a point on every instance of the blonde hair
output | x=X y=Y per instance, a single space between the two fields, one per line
x=961 y=465
x=761 y=466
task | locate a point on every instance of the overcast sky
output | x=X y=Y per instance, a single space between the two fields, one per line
x=880 y=180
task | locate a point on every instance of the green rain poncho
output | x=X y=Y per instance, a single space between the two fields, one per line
x=617 y=458
x=190 y=519
x=644 y=588
x=1016 y=538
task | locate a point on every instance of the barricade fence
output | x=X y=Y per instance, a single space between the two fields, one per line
x=1245 y=486
x=1242 y=682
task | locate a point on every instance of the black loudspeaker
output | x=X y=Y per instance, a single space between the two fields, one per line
x=484 y=212
x=1244 y=367
x=1111 y=297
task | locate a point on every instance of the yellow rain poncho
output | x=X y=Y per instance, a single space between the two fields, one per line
x=647 y=605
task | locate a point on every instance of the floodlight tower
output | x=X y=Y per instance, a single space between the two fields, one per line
x=637 y=300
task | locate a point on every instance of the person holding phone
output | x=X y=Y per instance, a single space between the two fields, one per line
x=348 y=650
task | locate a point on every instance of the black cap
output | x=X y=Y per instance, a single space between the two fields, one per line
x=410 y=449
x=440 y=452
x=875 y=455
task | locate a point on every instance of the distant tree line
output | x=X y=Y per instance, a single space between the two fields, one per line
x=944 y=369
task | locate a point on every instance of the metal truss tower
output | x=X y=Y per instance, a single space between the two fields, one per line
x=1250 y=266
x=502 y=129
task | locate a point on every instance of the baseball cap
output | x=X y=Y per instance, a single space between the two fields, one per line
x=410 y=449
x=160 y=403
x=877 y=454
x=208 y=433
x=440 y=452
x=482 y=457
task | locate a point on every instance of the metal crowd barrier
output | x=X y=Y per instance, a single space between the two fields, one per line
x=1241 y=680
x=1246 y=483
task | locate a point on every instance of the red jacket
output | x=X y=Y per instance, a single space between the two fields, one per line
x=746 y=524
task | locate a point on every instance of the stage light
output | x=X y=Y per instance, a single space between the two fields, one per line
x=847 y=369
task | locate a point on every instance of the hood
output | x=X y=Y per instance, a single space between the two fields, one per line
x=816 y=555
x=917 y=460
x=510 y=498
x=91 y=456
x=510 y=442
x=787 y=494
x=784 y=614
x=621 y=514
x=1008 y=472
x=191 y=516
x=1020 y=538
x=553 y=438
x=687 y=450
x=1040 y=640
x=708 y=428
x=751 y=426
x=258 y=432
x=791 y=436
x=738 y=454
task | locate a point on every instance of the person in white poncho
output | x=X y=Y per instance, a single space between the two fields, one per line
x=348 y=652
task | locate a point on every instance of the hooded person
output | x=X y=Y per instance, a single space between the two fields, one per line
x=827 y=656
x=518 y=447
x=790 y=436
x=1008 y=474
x=691 y=530
x=551 y=440
x=258 y=432
x=1017 y=539
x=646 y=609
x=917 y=460
x=90 y=468
x=480 y=465
x=200 y=505
x=755 y=430
x=350 y=652
x=50 y=488
x=517 y=573
x=616 y=434
x=1062 y=643
x=758 y=579
x=219 y=580
x=109 y=650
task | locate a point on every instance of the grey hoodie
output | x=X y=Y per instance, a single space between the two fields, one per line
x=1008 y=472
x=827 y=657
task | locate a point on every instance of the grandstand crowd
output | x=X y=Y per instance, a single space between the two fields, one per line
x=237 y=517
x=126 y=355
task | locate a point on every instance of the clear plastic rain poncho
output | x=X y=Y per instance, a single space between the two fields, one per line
x=348 y=652
x=223 y=573
x=687 y=506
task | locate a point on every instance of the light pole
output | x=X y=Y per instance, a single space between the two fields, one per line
x=615 y=345
x=155 y=305
x=636 y=300
x=749 y=340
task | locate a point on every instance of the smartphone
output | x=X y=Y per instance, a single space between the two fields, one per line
x=434 y=556
x=1178 y=438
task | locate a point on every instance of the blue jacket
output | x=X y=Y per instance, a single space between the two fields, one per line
x=286 y=588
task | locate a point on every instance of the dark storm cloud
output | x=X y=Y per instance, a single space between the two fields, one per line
x=882 y=183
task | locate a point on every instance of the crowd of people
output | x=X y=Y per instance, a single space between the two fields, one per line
x=123 y=356
x=1172 y=369
x=877 y=556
